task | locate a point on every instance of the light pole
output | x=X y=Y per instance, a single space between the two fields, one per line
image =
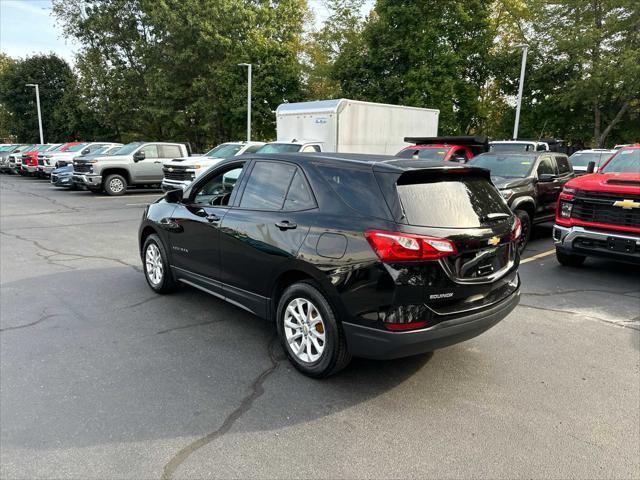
x=39 y=112
x=525 y=49
x=248 y=65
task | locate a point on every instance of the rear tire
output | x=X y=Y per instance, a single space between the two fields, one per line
x=115 y=185
x=525 y=220
x=155 y=263
x=569 y=259
x=309 y=332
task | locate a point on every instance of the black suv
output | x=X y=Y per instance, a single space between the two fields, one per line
x=362 y=255
x=530 y=183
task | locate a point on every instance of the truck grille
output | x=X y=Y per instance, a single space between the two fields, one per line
x=598 y=207
x=82 y=167
x=177 y=173
x=40 y=160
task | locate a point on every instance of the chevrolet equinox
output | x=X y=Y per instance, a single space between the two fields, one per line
x=350 y=255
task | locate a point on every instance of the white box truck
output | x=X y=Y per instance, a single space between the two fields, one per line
x=350 y=126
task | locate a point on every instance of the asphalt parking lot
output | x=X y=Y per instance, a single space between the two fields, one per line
x=101 y=378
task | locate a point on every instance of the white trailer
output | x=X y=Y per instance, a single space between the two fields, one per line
x=350 y=126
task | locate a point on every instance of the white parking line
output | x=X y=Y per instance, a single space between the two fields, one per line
x=539 y=255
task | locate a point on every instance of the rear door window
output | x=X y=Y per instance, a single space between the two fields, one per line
x=170 y=151
x=448 y=201
x=267 y=186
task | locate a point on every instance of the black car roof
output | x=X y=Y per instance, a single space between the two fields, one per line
x=378 y=162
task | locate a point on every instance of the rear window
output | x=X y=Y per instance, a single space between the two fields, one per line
x=448 y=201
x=429 y=153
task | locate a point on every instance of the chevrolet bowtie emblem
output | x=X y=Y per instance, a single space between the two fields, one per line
x=170 y=169
x=626 y=204
x=494 y=241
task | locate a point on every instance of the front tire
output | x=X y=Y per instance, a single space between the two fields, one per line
x=525 y=235
x=309 y=332
x=569 y=259
x=115 y=185
x=156 y=267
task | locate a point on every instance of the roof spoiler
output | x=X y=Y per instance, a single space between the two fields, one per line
x=478 y=144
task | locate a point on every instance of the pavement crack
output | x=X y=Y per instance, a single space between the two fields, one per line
x=78 y=255
x=42 y=318
x=182 y=327
x=622 y=323
x=257 y=390
x=137 y=304
x=36 y=195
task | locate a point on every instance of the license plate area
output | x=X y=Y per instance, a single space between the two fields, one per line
x=621 y=245
x=479 y=264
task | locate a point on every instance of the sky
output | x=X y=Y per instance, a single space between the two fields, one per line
x=27 y=27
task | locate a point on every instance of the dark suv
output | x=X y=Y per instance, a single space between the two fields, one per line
x=362 y=255
x=529 y=182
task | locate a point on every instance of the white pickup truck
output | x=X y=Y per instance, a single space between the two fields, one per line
x=180 y=172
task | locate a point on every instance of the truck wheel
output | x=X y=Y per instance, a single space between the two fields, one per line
x=156 y=265
x=525 y=221
x=309 y=331
x=570 y=260
x=115 y=185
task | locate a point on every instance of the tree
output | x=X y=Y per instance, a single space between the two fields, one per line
x=6 y=63
x=56 y=82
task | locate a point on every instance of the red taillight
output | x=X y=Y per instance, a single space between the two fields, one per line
x=396 y=246
x=517 y=229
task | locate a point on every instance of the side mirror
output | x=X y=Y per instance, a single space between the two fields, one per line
x=546 y=177
x=85 y=151
x=138 y=156
x=591 y=167
x=174 y=196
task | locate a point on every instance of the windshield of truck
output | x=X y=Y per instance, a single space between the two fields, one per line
x=127 y=149
x=506 y=166
x=7 y=148
x=279 y=148
x=582 y=159
x=429 y=153
x=455 y=201
x=512 y=147
x=26 y=148
x=42 y=148
x=224 y=150
x=76 y=148
x=625 y=161
x=55 y=148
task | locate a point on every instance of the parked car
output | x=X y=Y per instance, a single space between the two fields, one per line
x=63 y=176
x=46 y=165
x=580 y=159
x=137 y=163
x=303 y=146
x=4 y=156
x=598 y=215
x=529 y=182
x=62 y=157
x=14 y=159
x=180 y=172
x=453 y=149
x=339 y=250
x=29 y=162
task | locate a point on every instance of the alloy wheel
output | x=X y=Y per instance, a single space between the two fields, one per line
x=153 y=261
x=116 y=185
x=304 y=330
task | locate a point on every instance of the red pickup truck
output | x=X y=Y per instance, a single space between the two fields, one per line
x=599 y=214
x=452 y=149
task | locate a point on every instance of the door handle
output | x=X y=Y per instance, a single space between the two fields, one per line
x=212 y=217
x=286 y=225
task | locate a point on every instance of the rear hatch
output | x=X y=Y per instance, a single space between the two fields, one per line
x=462 y=206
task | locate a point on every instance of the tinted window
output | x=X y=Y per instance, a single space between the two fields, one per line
x=76 y=148
x=563 y=165
x=356 y=188
x=279 y=148
x=267 y=186
x=170 y=151
x=224 y=150
x=505 y=165
x=446 y=201
x=459 y=156
x=626 y=160
x=218 y=189
x=512 y=147
x=546 y=167
x=253 y=148
x=150 y=151
x=429 y=153
x=299 y=196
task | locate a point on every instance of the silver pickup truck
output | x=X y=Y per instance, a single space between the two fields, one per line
x=136 y=164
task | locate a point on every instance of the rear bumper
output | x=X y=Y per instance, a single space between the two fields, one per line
x=621 y=246
x=380 y=344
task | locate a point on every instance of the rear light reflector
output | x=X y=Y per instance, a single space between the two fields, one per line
x=406 y=317
x=390 y=246
x=405 y=326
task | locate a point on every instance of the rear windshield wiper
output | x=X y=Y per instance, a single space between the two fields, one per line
x=493 y=216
